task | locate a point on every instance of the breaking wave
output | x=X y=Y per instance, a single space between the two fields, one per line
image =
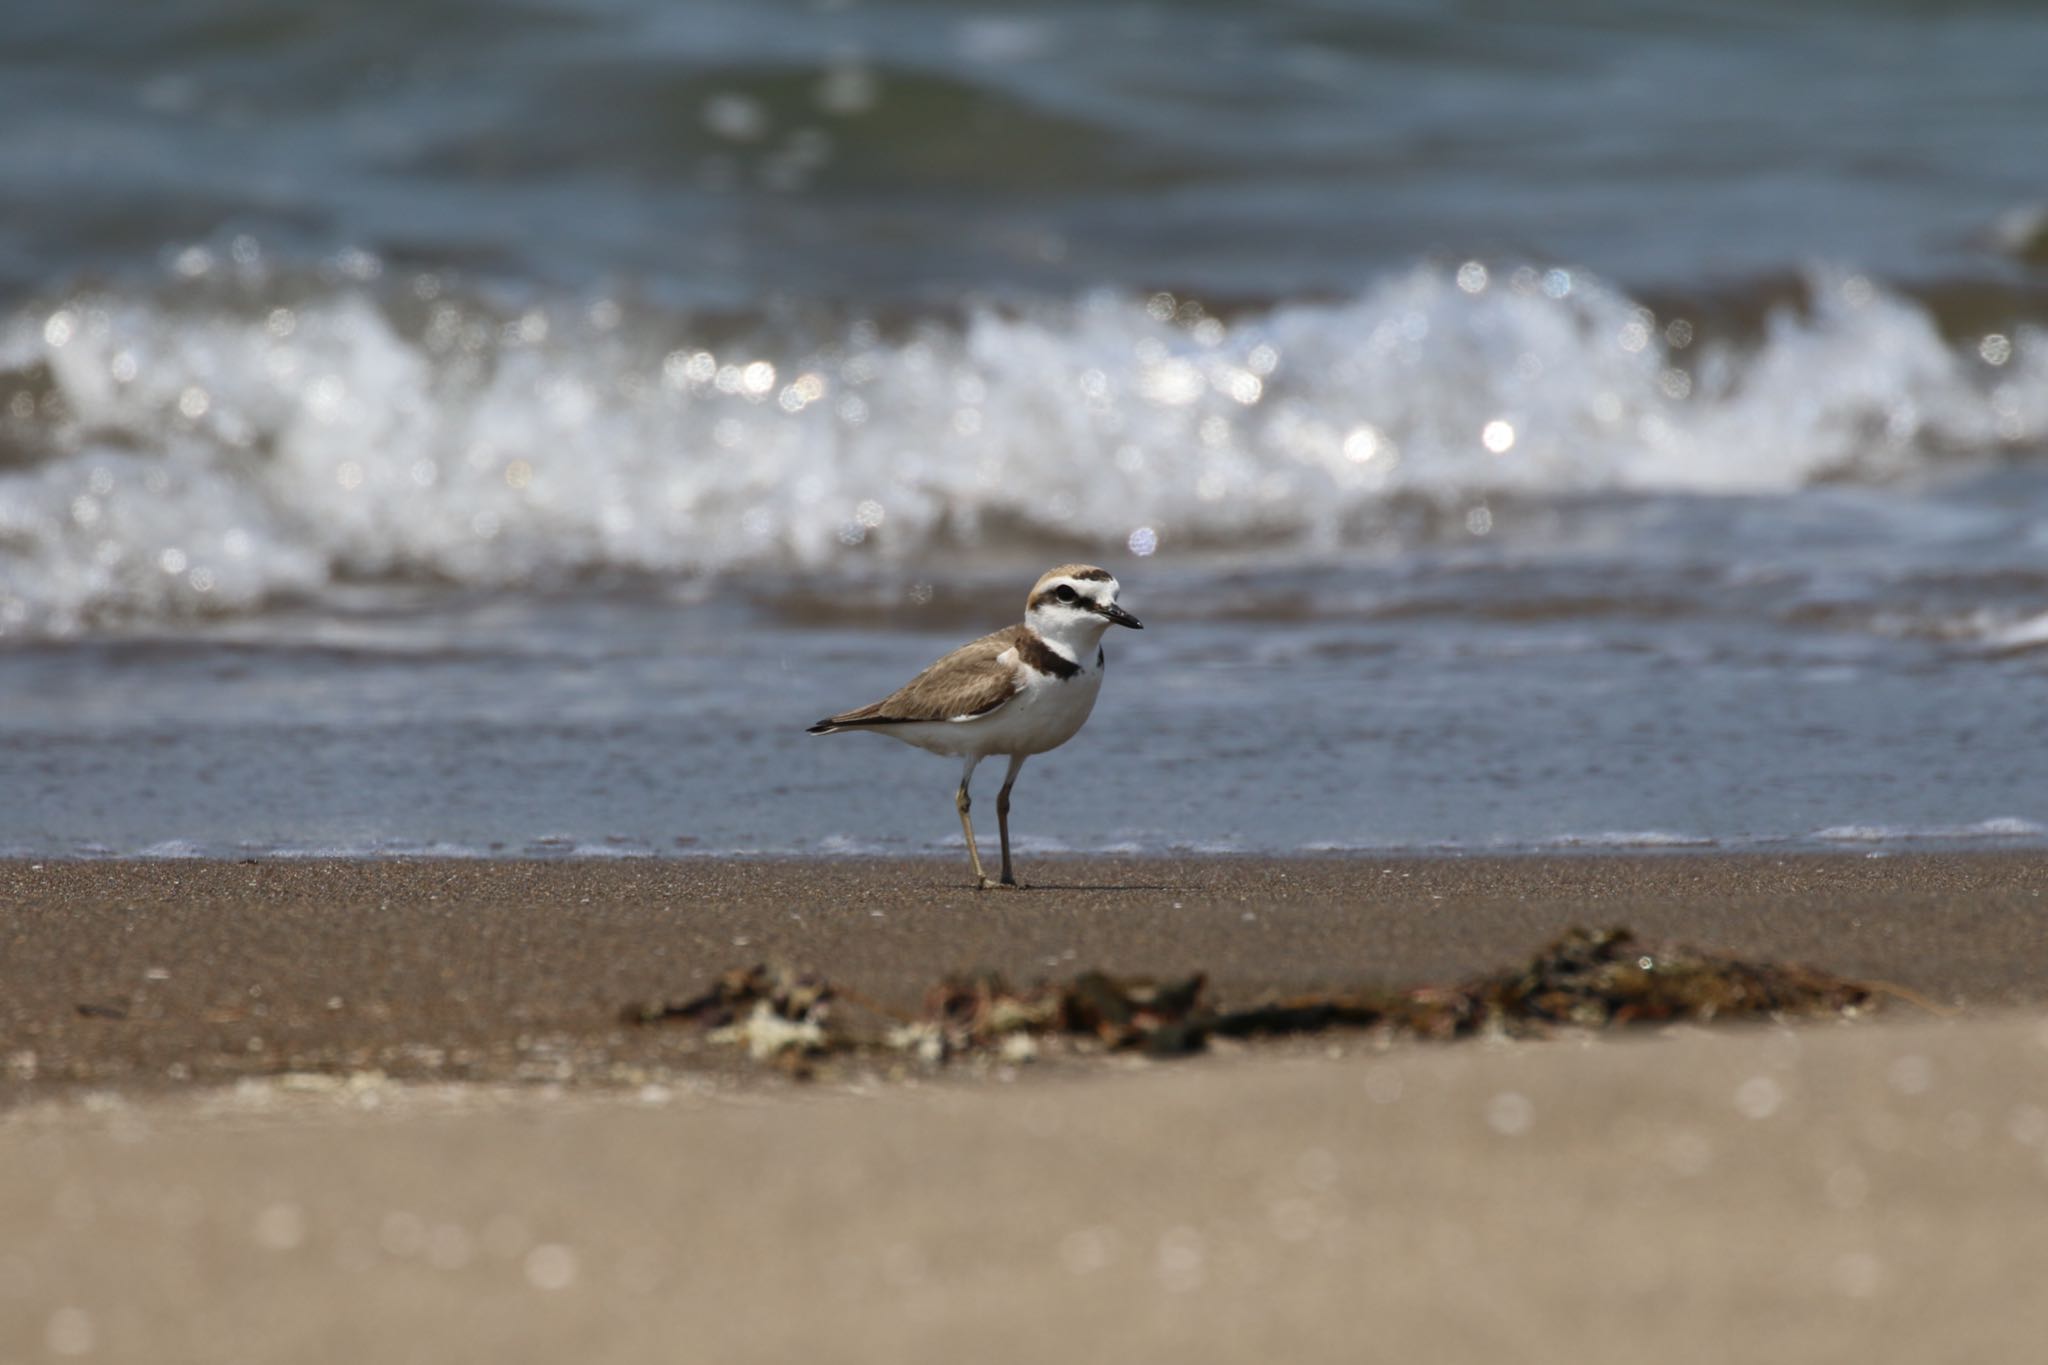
x=213 y=446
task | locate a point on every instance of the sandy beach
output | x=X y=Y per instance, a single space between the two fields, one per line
x=346 y=1111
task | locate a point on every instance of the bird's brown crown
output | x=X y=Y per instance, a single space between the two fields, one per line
x=1080 y=573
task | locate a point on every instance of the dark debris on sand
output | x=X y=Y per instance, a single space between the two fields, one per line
x=1585 y=979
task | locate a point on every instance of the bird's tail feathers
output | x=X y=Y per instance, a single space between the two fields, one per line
x=857 y=719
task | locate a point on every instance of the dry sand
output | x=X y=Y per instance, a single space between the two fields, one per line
x=1870 y=1191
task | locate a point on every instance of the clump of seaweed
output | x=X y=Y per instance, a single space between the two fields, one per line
x=1585 y=979
x=782 y=1017
x=1597 y=978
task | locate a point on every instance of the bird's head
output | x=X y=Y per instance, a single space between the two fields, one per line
x=1074 y=604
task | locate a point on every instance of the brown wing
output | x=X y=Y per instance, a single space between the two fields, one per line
x=967 y=682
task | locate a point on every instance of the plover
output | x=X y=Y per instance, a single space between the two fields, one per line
x=1020 y=691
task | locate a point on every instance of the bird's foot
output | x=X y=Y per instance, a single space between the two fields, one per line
x=1010 y=880
x=982 y=883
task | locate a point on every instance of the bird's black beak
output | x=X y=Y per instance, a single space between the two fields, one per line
x=1118 y=616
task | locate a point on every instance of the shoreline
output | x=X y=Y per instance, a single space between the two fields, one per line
x=686 y=853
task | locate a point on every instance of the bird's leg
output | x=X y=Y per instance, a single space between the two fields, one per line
x=1003 y=815
x=965 y=803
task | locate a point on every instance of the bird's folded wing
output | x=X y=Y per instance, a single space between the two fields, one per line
x=969 y=682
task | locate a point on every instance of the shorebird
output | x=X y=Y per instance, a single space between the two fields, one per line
x=1021 y=691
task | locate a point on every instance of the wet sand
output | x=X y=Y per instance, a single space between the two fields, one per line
x=252 y=1142
x=153 y=973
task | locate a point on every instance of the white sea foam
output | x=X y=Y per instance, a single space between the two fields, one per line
x=610 y=849
x=2005 y=830
x=1631 y=838
x=2000 y=827
x=1612 y=839
x=183 y=458
x=848 y=846
x=373 y=848
x=2011 y=637
x=173 y=848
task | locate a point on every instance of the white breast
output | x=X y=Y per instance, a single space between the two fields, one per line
x=1046 y=713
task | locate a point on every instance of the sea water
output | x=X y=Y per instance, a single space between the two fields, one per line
x=499 y=429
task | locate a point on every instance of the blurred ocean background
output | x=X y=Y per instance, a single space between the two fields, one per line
x=500 y=426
